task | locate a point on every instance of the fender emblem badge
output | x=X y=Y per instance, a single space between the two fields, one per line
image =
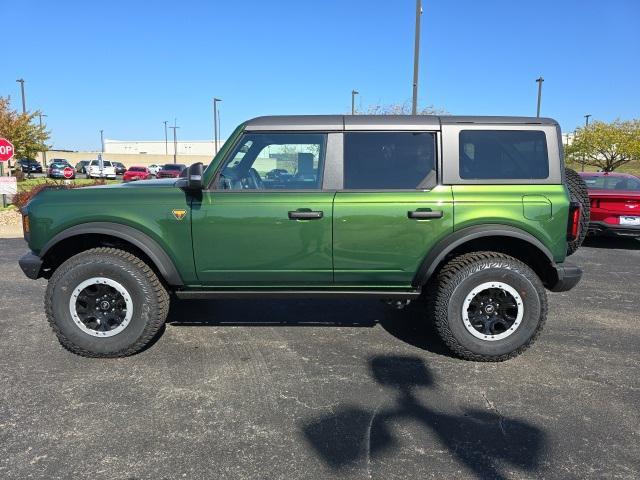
x=179 y=213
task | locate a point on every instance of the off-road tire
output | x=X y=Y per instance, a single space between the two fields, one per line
x=459 y=277
x=149 y=297
x=578 y=193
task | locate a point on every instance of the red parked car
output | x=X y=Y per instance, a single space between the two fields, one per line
x=615 y=203
x=170 y=170
x=136 y=173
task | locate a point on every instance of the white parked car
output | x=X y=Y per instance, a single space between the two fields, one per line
x=153 y=169
x=107 y=170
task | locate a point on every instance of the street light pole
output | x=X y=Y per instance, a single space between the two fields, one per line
x=101 y=141
x=24 y=103
x=166 y=140
x=175 y=142
x=416 y=56
x=586 y=125
x=215 y=124
x=44 y=152
x=353 y=101
x=539 y=81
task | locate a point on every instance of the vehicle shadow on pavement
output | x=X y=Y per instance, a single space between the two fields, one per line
x=621 y=243
x=410 y=325
x=484 y=441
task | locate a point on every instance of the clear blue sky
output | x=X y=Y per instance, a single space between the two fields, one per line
x=125 y=66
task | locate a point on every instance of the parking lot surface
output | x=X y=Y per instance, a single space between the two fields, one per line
x=327 y=389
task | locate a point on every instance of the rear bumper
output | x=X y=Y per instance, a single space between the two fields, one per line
x=603 y=228
x=31 y=264
x=569 y=276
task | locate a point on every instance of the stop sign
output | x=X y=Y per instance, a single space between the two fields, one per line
x=6 y=150
x=67 y=172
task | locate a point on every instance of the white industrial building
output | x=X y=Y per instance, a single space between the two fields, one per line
x=159 y=147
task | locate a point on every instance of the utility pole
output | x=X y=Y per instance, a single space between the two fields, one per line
x=416 y=58
x=215 y=124
x=44 y=152
x=24 y=103
x=175 y=142
x=539 y=81
x=353 y=101
x=586 y=125
x=101 y=141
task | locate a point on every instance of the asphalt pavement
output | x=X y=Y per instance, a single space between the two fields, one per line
x=327 y=389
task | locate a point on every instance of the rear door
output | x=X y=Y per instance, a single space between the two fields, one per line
x=390 y=211
x=266 y=221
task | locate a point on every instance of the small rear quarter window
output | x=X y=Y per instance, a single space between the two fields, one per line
x=503 y=154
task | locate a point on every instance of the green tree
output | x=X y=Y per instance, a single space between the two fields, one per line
x=400 y=109
x=23 y=130
x=606 y=145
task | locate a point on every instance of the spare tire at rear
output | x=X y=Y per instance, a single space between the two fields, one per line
x=578 y=193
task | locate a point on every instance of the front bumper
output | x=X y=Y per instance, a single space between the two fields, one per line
x=31 y=265
x=568 y=275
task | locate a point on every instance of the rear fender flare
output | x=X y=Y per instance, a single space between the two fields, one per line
x=460 y=237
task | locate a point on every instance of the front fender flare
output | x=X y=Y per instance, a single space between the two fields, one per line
x=460 y=237
x=141 y=240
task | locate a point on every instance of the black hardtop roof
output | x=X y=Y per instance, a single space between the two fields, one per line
x=358 y=122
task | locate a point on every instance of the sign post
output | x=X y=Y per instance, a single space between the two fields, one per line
x=6 y=153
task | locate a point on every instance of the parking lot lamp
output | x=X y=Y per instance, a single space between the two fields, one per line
x=24 y=103
x=353 y=101
x=586 y=125
x=539 y=81
x=101 y=141
x=44 y=152
x=416 y=58
x=166 y=140
x=216 y=131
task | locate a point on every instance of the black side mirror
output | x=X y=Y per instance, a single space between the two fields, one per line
x=194 y=177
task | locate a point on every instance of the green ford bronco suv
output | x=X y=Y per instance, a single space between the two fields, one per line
x=471 y=216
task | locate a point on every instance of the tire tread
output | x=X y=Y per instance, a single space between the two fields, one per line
x=449 y=278
x=100 y=254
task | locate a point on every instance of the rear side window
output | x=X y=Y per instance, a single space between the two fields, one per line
x=388 y=160
x=503 y=154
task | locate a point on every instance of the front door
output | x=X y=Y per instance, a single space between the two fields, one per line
x=391 y=211
x=266 y=222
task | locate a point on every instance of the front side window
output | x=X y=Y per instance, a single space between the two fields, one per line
x=503 y=154
x=275 y=161
x=388 y=160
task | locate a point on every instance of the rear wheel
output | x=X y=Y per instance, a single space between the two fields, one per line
x=105 y=302
x=578 y=193
x=488 y=306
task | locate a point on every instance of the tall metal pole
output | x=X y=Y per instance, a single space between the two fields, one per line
x=166 y=140
x=175 y=142
x=24 y=102
x=44 y=152
x=539 y=80
x=586 y=125
x=416 y=58
x=353 y=101
x=215 y=124
x=101 y=141
x=219 y=134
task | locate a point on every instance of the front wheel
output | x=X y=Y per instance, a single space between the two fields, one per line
x=105 y=302
x=488 y=306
